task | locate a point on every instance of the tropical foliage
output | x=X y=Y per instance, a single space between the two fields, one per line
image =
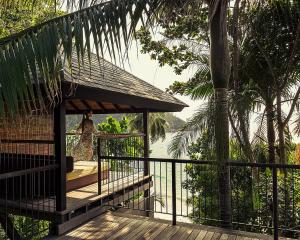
x=107 y=25
x=158 y=125
x=112 y=125
x=247 y=95
x=263 y=84
x=262 y=48
x=251 y=198
x=16 y=19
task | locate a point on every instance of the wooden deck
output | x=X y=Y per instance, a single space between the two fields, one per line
x=83 y=203
x=111 y=226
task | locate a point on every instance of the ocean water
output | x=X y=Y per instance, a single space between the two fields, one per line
x=159 y=149
x=162 y=185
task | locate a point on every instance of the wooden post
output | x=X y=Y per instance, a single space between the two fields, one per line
x=146 y=155
x=60 y=155
x=146 y=140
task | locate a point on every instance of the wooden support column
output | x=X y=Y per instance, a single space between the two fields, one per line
x=60 y=155
x=146 y=155
x=146 y=140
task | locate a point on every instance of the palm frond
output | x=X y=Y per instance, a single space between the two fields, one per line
x=202 y=91
x=296 y=123
x=204 y=88
x=70 y=5
x=200 y=122
x=157 y=125
x=38 y=51
x=261 y=132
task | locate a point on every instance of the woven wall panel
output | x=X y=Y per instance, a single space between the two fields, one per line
x=33 y=127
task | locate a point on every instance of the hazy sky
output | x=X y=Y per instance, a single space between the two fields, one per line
x=161 y=77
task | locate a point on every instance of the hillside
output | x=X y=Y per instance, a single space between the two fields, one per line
x=174 y=122
x=74 y=120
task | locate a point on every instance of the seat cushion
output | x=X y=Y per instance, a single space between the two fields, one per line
x=85 y=168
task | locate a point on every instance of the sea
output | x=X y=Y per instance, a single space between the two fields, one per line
x=162 y=186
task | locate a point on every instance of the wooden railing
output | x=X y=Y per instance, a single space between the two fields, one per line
x=24 y=197
x=265 y=197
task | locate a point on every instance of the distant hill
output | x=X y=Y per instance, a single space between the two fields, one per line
x=73 y=121
x=174 y=122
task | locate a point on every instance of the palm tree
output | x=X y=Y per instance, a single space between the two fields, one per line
x=274 y=56
x=40 y=52
x=200 y=123
x=157 y=125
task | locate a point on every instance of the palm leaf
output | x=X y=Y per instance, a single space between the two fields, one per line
x=199 y=123
x=43 y=46
x=157 y=125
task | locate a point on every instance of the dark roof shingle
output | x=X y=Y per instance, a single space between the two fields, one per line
x=107 y=76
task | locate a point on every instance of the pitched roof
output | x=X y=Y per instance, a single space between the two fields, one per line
x=106 y=76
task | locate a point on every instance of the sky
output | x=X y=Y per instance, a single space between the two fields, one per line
x=161 y=77
x=149 y=70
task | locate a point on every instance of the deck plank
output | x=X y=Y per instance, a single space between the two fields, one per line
x=121 y=225
x=145 y=230
x=216 y=236
x=141 y=227
x=232 y=237
x=193 y=234
x=113 y=225
x=153 y=233
x=124 y=231
x=208 y=236
x=201 y=235
x=182 y=233
x=224 y=236
x=167 y=233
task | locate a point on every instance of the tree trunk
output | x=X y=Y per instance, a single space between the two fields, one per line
x=220 y=73
x=270 y=129
x=247 y=149
x=281 y=136
x=282 y=149
x=222 y=152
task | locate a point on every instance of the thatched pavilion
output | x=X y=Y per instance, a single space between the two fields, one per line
x=34 y=146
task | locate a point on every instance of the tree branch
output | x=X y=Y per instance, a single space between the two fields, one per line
x=265 y=57
x=235 y=129
x=294 y=103
x=290 y=61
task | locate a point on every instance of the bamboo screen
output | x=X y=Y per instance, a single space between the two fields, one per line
x=27 y=134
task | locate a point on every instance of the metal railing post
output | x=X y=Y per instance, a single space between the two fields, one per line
x=174 y=193
x=275 y=201
x=99 y=165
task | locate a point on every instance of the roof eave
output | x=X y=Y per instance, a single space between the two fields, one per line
x=97 y=94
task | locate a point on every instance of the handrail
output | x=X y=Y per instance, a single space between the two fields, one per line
x=27 y=171
x=111 y=135
x=203 y=162
x=123 y=135
x=274 y=168
x=37 y=141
